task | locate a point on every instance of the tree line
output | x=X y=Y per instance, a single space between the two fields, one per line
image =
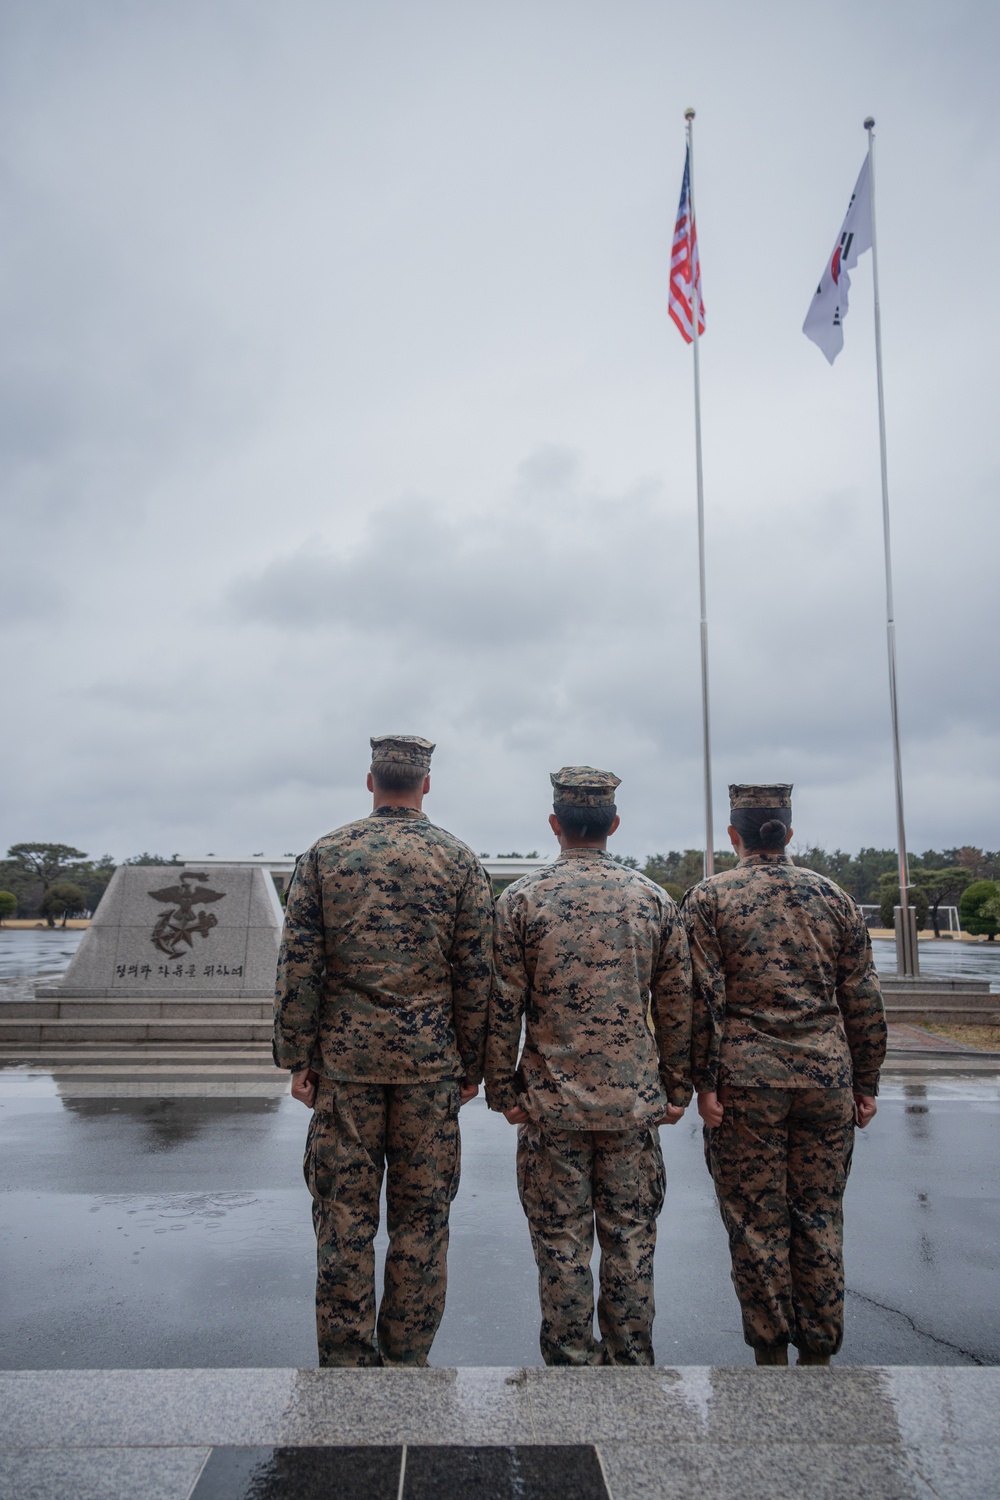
x=966 y=877
x=55 y=881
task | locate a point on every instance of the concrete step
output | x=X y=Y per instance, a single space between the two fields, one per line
x=950 y=1002
x=128 y=1008
x=46 y=992
x=944 y=1015
x=142 y=1070
x=53 y=1030
x=935 y=984
x=100 y=1061
x=136 y=1054
x=945 y=1000
x=248 y=1061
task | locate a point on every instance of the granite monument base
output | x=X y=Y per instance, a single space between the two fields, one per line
x=170 y=932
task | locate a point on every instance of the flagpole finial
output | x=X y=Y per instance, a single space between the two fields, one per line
x=689 y=113
x=870 y=122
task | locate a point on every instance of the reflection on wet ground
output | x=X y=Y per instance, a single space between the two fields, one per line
x=30 y=955
x=26 y=953
x=945 y=959
x=155 y=1216
x=176 y=1232
x=424 y=1472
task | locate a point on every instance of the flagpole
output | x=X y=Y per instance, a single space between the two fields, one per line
x=907 y=961
x=709 y=861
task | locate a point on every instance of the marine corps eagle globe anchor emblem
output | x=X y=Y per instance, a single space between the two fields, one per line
x=178 y=925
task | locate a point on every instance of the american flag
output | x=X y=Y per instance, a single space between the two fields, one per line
x=684 y=256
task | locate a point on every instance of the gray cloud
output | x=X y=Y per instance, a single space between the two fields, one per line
x=548 y=561
x=338 y=395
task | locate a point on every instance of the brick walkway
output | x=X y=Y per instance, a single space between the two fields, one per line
x=904 y=1038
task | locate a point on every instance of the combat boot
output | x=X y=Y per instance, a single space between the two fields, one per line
x=771 y=1354
x=806 y=1357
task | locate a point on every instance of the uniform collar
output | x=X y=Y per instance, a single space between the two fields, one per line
x=584 y=854
x=758 y=857
x=390 y=810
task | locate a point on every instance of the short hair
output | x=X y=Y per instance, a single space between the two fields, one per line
x=393 y=776
x=761 y=827
x=585 y=822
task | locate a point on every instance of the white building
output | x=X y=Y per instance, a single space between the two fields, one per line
x=501 y=871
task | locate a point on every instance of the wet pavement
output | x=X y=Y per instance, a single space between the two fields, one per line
x=29 y=956
x=175 y=1232
x=944 y=958
x=29 y=951
x=43 y=953
x=156 y=1305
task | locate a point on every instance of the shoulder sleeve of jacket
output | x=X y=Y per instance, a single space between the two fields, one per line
x=508 y=999
x=301 y=970
x=859 y=996
x=471 y=969
x=709 y=1019
x=671 y=1003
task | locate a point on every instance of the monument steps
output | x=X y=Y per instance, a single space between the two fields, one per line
x=85 y=1070
x=134 y=1008
x=125 y=1029
x=178 y=956
x=249 y=1059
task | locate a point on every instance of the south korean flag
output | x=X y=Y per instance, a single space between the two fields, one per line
x=824 y=322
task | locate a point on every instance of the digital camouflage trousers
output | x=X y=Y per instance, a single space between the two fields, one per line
x=780 y=1161
x=359 y=1130
x=570 y=1180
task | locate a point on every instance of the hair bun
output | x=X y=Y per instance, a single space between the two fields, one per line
x=772 y=833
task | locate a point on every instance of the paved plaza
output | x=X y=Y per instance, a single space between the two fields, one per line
x=156 y=1309
x=172 y=1229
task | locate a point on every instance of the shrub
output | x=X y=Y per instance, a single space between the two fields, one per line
x=890 y=900
x=60 y=900
x=980 y=894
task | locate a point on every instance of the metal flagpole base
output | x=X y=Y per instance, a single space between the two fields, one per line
x=907 y=961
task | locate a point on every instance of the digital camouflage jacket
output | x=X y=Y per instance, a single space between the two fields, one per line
x=786 y=993
x=594 y=957
x=384 y=968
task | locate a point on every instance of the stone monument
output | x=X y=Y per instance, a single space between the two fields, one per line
x=178 y=932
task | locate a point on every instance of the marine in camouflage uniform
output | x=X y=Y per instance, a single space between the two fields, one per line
x=789 y=1037
x=593 y=957
x=380 y=1014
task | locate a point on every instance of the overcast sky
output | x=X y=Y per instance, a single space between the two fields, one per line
x=339 y=397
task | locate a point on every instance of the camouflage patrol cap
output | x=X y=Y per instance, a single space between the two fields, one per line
x=763 y=794
x=583 y=786
x=407 y=750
